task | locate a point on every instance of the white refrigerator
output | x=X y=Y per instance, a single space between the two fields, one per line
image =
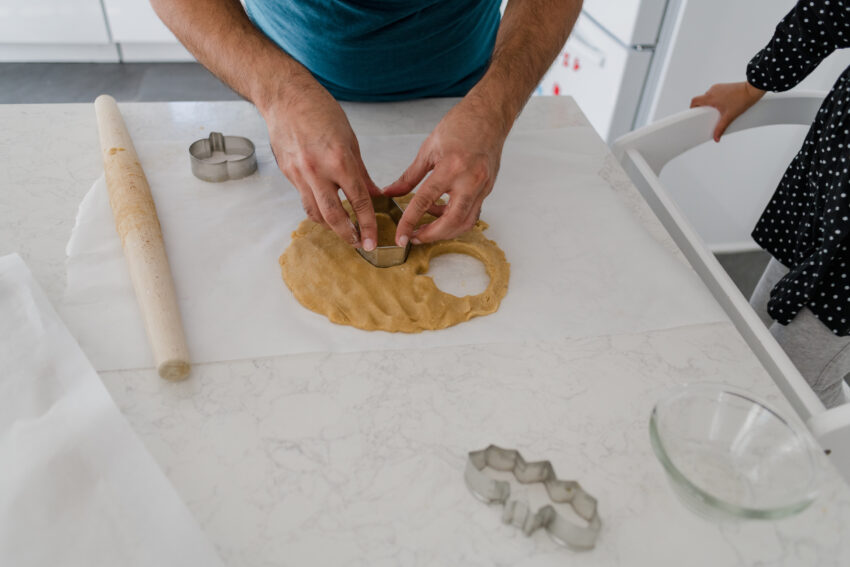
x=632 y=62
x=606 y=61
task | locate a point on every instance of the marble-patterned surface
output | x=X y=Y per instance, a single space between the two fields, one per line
x=582 y=264
x=357 y=459
x=50 y=157
x=612 y=172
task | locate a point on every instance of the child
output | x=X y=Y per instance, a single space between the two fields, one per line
x=804 y=294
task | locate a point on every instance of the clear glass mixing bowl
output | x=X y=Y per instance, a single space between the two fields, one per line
x=729 y=455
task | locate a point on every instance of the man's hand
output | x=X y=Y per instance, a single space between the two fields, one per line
x=313 y=141
x=318 y=152
x=310 y=134
x=462 y=154
x=731 y=100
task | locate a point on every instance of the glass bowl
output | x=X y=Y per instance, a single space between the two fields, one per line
x=729 y=455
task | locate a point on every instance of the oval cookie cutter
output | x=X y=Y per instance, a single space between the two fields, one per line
x=208 y=167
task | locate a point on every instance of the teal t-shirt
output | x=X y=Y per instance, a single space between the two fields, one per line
x=377 y=50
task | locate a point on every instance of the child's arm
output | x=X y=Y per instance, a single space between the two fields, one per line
x=803 y=38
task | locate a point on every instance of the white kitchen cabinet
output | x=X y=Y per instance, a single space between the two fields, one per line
x=85 y=30
x=136 y=21
x=141 y=34
x=54 y=30
x=52 y=21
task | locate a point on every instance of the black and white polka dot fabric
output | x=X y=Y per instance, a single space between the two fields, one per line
x=807 y=221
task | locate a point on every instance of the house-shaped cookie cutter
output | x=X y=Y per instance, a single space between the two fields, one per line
x=386 y=256
x=560 y=529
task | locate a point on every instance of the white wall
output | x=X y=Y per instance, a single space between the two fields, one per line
x=722 y=188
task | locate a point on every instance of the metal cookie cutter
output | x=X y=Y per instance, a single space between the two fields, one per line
x=489 y=490
x=207 y=166
x=386 y=256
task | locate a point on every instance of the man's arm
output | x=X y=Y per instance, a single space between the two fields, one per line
x=531 y=35
x=309 y=133
x=220 y=35
x=464 y=150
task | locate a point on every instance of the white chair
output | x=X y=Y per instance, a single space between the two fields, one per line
x=643 y=154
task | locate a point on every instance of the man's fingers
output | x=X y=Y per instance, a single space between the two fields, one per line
x=308 y=202
x=437 y=210
x=425 y=229
x=409 y=179
x=371 y=186
x=475 y=213
x=454 y=222
x=361 y=201
x=418 y=206
x=311 y=207
x=334 y=214
x=447 y=226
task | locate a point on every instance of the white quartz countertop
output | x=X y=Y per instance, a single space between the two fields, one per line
x=357 y=458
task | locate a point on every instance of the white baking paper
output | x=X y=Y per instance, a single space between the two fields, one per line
x=581 y=263
x=77 y=487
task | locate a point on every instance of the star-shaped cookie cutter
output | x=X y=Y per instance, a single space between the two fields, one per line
x=560 y=529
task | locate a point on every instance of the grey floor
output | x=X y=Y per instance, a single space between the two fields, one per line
x=153 y=82
x=745 y=268
x=127 y=82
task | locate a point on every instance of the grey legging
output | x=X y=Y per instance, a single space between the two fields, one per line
x=821 y=357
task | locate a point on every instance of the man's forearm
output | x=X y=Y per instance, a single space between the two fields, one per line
x=531 y=34
x=220 y=35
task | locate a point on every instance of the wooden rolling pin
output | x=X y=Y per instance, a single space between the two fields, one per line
x=141 y=237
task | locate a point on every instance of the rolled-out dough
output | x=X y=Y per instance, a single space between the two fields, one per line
x=329 y=277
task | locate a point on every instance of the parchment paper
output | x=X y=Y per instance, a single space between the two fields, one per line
x=77 y=487
x=582 y=265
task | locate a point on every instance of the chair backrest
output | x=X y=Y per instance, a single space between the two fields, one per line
x=643 y=154
x=662 y=141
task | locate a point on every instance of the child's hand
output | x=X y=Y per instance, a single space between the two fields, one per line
x=731 y=100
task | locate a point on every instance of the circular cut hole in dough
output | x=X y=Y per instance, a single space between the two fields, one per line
x=458 y=274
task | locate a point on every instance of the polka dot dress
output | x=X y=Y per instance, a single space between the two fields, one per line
x=807 y=221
